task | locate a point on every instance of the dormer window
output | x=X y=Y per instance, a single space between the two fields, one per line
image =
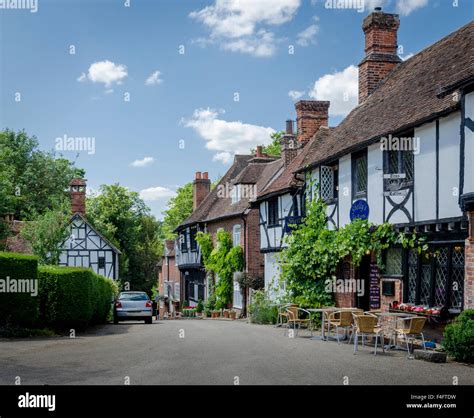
x=236 y=193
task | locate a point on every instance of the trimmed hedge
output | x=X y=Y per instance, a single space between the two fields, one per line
x=18 y=308
x=459 y=337
x=74 y=297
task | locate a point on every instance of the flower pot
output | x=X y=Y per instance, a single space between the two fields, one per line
x=215 y=314
x=226 y=314
x=232 y=315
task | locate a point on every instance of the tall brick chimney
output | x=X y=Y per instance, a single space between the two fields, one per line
x=201 y=187
x=289 y=145
x=77 y=189
x=381 y=57
x=310 y=116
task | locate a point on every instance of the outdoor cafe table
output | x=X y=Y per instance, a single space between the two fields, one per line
x=325 y=311
x=389 y=322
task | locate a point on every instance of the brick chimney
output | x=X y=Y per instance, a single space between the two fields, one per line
x=310 y=116
x=78 y=196
x=201 y=187
x=289 y=144
x=381 y=57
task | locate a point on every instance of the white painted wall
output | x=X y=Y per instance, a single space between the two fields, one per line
x=272 y=276
x=425 y=173
x=469 y=147
x=345 y=191
x=449 y=154
x=375 y=183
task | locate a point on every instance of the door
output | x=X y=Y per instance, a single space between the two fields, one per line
x=363 y=274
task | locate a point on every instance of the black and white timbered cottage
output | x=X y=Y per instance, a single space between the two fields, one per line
x=85 y=246
x=404 y=155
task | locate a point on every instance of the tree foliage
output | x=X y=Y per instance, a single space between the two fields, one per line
x=273 y=148
x=125 y=220
x=223 y=259
x=179 y=208
x=31 y=180
x=47 y=231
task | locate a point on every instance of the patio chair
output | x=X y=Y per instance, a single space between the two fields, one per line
x=283 y=314
x=293 y=319
x=339 y=319
x=412 y=327
x=367 y=325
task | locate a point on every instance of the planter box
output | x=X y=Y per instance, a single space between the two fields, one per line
x=215 y=314
x=432 y=356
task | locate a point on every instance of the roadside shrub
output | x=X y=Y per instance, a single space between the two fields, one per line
x=18 y=308
x=459 y=337
x=74 y=297
x=262 y=310
x=200 y=306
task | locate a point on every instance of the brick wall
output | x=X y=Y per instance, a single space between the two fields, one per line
x=381 y=57
x=385 y=301
x=168 y=272
x=469 y=265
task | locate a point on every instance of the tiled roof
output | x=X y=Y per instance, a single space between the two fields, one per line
x=246 y=169
x=408 y=96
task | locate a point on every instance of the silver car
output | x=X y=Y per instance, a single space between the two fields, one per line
x=133 y=306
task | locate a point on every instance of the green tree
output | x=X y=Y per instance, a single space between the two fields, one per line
x=273 y=148
x=31 y=180
x=125 y=220
x=46 y=232
x=179 y=208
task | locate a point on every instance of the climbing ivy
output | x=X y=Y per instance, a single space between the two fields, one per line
x=224 y=259
x=314 y=251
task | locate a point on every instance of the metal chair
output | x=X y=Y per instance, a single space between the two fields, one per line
x=339 y=319
x=413 y=326
x=367 y=325
x=294 y=319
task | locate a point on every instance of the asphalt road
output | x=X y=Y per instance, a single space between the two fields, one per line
x=209 y=352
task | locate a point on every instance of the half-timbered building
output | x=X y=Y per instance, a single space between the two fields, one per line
x=227 y=206
x=84 y=245
x=404 y=155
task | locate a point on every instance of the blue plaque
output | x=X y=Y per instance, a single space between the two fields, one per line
x=359 y=210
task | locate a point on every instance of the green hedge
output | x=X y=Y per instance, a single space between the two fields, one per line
x=18 y=308
x=74 y=297
x=459 y=337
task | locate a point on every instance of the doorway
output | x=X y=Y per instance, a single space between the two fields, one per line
x=363 y=274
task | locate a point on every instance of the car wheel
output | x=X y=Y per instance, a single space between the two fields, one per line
x=148 y=320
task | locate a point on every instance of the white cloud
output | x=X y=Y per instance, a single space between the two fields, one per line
x=105 y=72
x=341 y=88
x=405 y=7
x=156 y=193
x=227 y=138
x=145 y=162
x=242 y=25
x=307 y=36
x=154 y=78
x=296 y=94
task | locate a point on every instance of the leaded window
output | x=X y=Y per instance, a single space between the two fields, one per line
x=329 y=185
x=393 y=262
x=273 y=218
x=359 y=175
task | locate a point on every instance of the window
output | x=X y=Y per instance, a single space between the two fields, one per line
x=236 y=232
x=237 y=296
x=359 y=175
x=393 y=262
x=399 y=162
x=273 y=219
x=192 y=236
x=102 y=262
x=235 y=194
x=183 y=242
x=329 y=182
x=436 y=277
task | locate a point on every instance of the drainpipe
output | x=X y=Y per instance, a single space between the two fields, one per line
x=244 y=307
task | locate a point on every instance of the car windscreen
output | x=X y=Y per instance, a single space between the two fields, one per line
x=133 y=296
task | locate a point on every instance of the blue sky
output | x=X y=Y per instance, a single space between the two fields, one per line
x=152 y=136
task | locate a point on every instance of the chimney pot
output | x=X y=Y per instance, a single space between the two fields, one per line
x=259 y=151
x=310 y=116
x=201 y=187
x=289 y=127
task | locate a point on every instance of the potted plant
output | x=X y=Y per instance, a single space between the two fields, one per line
x=226 y=313
x=215 y=314
x=232 y=314
x=199 y=308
